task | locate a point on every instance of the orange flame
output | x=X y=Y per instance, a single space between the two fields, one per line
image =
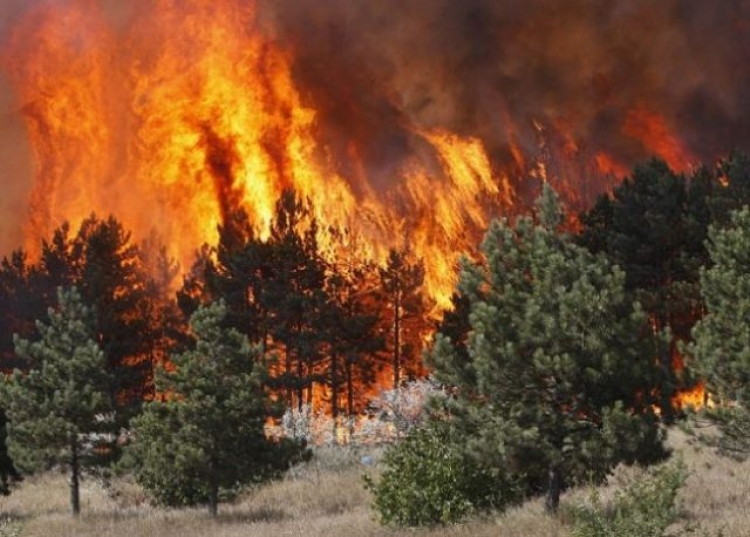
x=694 y=397
x=655 y=133
x=607 y=165
x=190 y=111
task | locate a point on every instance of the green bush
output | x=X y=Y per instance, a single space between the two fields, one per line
x=645 y=508
x=430 y=479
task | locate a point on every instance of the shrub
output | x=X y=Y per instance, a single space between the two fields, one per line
x=645 y=508
x=405 y=407
x=430 y=479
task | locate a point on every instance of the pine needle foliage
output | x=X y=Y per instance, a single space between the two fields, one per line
x=58 y=411
x=203 y=437
x=557 y=377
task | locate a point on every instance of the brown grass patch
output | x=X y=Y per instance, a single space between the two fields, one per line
x=327 y=498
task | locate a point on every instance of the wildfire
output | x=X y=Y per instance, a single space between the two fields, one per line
x=654 y=132
x=607 y=165
x=190 y=111
x=694 y=398
x=172 y=114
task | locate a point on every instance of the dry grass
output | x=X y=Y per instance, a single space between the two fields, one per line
x=327 y=499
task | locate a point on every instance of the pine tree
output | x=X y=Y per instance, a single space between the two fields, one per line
x=113 y=282
x=350 y=323
x=56 y=410
x=205 y=431
x=22 y=303
x=104 y=264
x=721 y=340
x=558 y=369
x=243 y=264
x=730 y=189
x=293 y=294
x=163 y=322
x=653 y=227
x=402 y=282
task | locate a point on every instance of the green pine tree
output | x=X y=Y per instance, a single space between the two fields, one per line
x=652 y=226
x=556 y=377
x=58 y=408
x=204 y=433
x=721 y=340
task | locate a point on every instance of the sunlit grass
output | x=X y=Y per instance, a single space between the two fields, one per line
x=327 y=499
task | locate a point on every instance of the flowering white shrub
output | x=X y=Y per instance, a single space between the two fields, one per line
x=399 y=410
x=295 y=423
x=392 y=414
x=303 y=423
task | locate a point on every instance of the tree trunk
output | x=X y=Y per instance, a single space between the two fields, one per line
x=213 y=491
x=75 y=488
x=335 y=394
x=397 y=342
x=552 y=502
x=213 y=500
x=350 y=395
x=287 y=380
x=300 y=383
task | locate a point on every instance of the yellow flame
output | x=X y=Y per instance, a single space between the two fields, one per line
x=192 y=111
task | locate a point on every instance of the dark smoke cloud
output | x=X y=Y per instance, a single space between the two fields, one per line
x=474 y=66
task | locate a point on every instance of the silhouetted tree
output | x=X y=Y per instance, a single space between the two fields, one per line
x=22 y=302
x=293 y=294
x=164 y=322
x=351 y=332
x=112 y=282
x=402 y=281
x=239 y=276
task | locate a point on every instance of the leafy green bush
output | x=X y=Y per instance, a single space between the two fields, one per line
x=430 y=479
x=645 y=508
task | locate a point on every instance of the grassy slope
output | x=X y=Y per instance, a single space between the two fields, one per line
x=327 y=499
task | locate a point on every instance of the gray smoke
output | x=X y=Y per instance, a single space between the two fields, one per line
x=474 y=65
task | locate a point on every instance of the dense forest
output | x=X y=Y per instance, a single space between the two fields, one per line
x=569 y=342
